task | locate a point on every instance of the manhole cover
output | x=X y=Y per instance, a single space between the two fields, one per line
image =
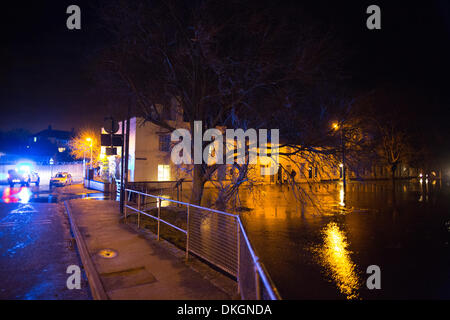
x=107 y=253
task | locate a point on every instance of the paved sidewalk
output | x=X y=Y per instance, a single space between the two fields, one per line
x=142 y=269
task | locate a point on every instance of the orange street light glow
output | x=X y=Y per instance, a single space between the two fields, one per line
x=335 y=125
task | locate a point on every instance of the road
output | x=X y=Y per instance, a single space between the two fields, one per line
x=36 y=245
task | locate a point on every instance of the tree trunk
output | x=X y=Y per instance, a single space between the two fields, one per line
x=221 y=202
x=197 y=185
x=393 y=170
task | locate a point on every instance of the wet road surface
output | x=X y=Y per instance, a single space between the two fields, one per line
x=36 y=245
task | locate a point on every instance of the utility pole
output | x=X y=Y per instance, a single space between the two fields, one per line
x=127 y=148
x=91 y=153
x=121 y=194
x=124 y=160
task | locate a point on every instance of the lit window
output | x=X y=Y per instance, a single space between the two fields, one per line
x=61 y=149
x=163 y=172
x=35 y=139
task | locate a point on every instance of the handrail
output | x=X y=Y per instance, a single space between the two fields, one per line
x=163 y=221
x=274 y=295
x=181 y=202
x=259 y=269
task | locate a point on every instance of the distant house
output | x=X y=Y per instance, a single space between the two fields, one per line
x=58 y=137
x=50 y=143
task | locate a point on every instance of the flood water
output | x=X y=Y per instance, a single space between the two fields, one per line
x=45 y=194
x=323 y=250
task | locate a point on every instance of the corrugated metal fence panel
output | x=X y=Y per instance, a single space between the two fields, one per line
x=213 y=237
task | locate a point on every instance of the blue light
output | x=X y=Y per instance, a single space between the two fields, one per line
x=25 y=168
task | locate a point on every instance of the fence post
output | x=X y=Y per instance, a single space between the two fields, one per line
x=187 y=234
x=159 y=213
x=125 y=205
x=181 y=191
x=257 y=284
x=139 y=210
x=238 y=235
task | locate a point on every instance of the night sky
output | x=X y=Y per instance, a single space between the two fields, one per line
x=45 y=67
x=47 y=70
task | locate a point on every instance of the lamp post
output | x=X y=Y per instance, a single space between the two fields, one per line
x=344 y=168
x=84 y=167
x=90 y=145
x=337 y=126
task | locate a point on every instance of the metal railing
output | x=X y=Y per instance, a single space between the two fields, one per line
x=170 y=189
x=215 y=236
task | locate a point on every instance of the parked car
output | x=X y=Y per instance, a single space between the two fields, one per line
x=61 y=179
x=25 y=178
x=33 y=177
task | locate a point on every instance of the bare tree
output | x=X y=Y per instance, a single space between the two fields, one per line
x=226 y=63
x=394 y=147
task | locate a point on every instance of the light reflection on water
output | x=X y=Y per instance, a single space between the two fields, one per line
x=342 y=196
x=335 y=258
x=14 y=195
x=24 y=195
x=322 y=252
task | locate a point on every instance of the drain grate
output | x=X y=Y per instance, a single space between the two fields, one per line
x=107 y=253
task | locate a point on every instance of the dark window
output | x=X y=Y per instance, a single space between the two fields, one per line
x=164 y=143
x=310 y=173
x=316 y=172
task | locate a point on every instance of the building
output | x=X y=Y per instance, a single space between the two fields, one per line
x=50 y=143
x=150 y=151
